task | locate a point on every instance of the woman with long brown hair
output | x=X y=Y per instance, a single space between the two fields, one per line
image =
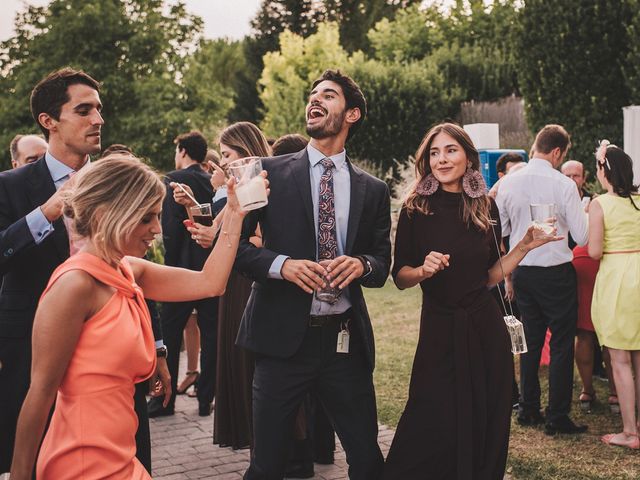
x=232 y=417
x=456 y=422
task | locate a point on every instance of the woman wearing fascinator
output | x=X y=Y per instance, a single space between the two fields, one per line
x=614 y=239
x=456 y=422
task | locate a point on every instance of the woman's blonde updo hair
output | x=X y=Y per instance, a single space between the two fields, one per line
x=109 y=199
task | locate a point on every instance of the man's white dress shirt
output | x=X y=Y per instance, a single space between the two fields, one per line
x=539 y=182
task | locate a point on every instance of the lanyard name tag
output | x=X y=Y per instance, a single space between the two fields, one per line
x=343 y=340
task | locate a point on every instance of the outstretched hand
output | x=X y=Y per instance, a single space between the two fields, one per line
x=536 y=237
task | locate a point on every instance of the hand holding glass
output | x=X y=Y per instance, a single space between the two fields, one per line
x=250 y=187
x=202 y=214
x=543 y=216
x=327 y=293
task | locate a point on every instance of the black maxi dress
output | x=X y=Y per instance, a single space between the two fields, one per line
x=232 y=410
x=456 y=423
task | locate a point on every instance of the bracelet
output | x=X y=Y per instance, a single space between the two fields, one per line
x=523 y=249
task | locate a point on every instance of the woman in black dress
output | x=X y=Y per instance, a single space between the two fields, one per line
x=234 y=373
x=455 y=425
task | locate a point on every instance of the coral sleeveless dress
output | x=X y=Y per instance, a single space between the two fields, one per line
x=92 y=431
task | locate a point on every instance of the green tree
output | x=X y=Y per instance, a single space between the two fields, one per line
x=136 y=48
x=212 y=80
x=632 y=64
x=404 y=101
x=471 y=44
x=571 y=55
x=356 y=17
x=412 y=35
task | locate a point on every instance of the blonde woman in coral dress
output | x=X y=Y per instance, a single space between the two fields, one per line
x=92 y=337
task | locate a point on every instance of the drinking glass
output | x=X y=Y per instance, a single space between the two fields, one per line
x=543 y=218
x=202 y=214
x=327 y=294
x=250 y=188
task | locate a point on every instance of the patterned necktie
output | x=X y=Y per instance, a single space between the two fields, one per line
x=327 y=238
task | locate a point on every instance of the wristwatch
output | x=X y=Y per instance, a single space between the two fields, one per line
x=366 y=264
x=161 y=351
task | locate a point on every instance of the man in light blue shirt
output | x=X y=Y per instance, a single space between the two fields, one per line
x=33 y=238
x=327 y=224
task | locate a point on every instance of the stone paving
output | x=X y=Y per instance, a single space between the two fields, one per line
x=182 y=448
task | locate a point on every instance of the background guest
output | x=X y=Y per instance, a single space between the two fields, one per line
x=232 y=418
x=314 y=436
x=180 y=251
x=545 y=281
x=588 y=351
x=26 y=149
x=506 y=161
x=33 y=236
x=614 y=239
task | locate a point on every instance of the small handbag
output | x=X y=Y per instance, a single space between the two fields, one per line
x=514 y=326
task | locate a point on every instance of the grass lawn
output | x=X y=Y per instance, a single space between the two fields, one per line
x=532 y=454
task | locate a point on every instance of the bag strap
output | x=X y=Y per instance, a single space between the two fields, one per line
x=504 y=277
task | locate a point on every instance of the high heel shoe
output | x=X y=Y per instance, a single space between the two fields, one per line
x=634 y=444
x=614 y=406
x=191 y=378
x=586 y=401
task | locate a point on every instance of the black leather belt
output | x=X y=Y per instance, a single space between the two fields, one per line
x=323 y=320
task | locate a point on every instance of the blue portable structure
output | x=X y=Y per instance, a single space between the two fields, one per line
x=488 y=159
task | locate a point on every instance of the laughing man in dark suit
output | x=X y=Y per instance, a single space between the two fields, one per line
x=321 y=207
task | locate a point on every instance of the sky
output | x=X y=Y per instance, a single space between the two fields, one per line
x=222 y=18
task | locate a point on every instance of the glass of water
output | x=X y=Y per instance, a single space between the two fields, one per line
x=543 y=216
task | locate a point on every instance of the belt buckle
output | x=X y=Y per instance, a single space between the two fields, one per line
x=317 y=320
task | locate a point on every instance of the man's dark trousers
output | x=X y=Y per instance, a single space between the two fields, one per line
x=174 y=317
x=547 y=298
x=344 y=386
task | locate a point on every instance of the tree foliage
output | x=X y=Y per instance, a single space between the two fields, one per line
x=212 y=79
x=136 y=48
x=471 y=44
x=632 y=64
x=571 y=57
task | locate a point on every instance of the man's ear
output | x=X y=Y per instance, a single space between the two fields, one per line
x=47 y=121
x=353 y=115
